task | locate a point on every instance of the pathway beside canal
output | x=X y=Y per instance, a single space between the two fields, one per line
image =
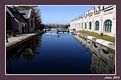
x=18 y=38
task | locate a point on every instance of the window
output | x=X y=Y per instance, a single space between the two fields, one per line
x=79 y=25
x=97 y=25
x=85 y=25
x=82 y=25
x=107 y=25
x=90 y=25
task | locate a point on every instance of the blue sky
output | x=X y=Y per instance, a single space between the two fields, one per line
x=61 y=14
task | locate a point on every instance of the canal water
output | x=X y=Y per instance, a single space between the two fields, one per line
x=50 y=53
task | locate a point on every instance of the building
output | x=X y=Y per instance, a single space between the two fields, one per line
x=29 y=16
x=15 y=22
x=102 y=19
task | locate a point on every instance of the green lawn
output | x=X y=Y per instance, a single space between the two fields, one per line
x=105 y=37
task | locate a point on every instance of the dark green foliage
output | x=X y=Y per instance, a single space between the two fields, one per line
x=66 y=26
x=24 y=7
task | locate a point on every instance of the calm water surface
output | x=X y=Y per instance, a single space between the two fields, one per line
x=53 y=54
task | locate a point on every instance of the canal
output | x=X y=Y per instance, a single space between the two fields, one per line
x=50 y=53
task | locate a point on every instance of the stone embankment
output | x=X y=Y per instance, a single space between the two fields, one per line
x=20 y=39
x=103 y=53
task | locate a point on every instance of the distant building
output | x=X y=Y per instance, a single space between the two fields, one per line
x=102 y=19
x=15 y=22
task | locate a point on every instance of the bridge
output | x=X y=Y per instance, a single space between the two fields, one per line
x=57 y=30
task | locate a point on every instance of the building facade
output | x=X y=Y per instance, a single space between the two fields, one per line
x=15 y=22
x=29 y=16
x=102 y=19
x=19 y=21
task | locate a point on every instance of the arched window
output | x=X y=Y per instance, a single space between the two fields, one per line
x=82 y=25
x=107 y=25
x=97 y=25
x=85 y=25
x=90 y=25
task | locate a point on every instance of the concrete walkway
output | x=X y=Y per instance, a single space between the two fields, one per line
x=18 y=38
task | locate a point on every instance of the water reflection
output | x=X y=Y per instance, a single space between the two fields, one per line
x=27 y=49
x=52 y=53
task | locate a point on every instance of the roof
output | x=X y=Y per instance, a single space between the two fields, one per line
x=7 y=10
x=27 y=13
x=15 y=13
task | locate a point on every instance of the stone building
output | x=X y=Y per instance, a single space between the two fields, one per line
x=101 y=19
x=30 y=19
x=15 y=22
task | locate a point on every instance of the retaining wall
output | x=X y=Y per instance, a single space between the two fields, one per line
x=103 y=53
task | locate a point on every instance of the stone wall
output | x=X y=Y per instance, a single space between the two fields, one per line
x=103 y=53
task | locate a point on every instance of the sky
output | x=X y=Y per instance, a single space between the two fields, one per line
x=61 y=14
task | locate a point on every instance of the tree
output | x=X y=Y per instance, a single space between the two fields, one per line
x=24 y=7
x=38 y=21
x=66 y=26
